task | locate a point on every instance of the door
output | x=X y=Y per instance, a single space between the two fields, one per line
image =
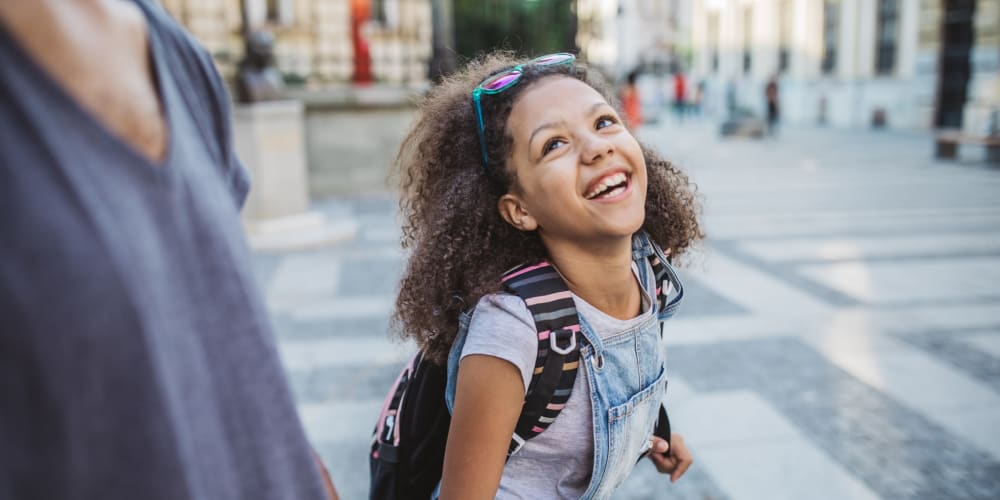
x=955 y=65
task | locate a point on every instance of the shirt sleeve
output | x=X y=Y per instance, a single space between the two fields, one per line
x=502 y=327
x=207 y=98
x=236 y=175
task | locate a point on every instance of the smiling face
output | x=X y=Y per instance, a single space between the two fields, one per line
x=580 y=174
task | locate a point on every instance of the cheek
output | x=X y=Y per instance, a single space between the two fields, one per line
x=555 y=177
x=642 y=172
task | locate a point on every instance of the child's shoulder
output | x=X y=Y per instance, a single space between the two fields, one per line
x=501 y=326
x=502 y=307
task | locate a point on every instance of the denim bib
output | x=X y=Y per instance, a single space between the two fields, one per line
x=626 y=379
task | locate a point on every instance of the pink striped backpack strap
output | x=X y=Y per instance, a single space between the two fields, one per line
x=558 y=326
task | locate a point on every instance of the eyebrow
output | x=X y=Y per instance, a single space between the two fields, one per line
x=544 y=126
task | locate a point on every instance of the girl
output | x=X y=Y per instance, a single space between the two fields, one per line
x=517 y=163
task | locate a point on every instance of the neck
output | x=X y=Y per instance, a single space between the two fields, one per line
x=600 y=274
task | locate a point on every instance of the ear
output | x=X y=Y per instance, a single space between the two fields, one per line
x=513 y=211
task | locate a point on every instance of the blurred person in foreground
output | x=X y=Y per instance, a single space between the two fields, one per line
x=136 y=357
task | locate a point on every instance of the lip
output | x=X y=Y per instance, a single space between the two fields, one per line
x=598 y=179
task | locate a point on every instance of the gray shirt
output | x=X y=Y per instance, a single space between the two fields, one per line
x=558 y=462
x=136 y=357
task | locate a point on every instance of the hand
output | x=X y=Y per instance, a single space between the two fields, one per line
x=671 y=458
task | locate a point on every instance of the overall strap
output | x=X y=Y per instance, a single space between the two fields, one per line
x=558 y=326
x=667 y=283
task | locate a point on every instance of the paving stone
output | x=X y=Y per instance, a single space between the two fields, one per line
x=950 y=347
x=893 y=449
x=370 y=275
x=701 y=300
x=292 y=329
x=366 y=381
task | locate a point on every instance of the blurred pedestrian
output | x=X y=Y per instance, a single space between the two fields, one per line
x=680 y=94
x=771 y=95
x=525 y=163
x=631 y=104
x=732 y=100
x=698 y=102
x=136 y=357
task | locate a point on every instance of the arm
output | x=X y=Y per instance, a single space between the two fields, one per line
x=488 y=400
x=331 y=492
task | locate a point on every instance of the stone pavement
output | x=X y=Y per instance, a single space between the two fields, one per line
x=840 y=338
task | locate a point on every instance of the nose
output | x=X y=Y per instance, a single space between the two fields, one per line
x=596 y=147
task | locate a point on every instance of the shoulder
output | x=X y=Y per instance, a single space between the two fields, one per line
x=201 y=88
x=502 y=327
x=188 y=62
x=178 y=42
x=504 y=305
x=502 y=317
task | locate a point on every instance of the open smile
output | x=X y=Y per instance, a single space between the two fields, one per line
x=610 y=187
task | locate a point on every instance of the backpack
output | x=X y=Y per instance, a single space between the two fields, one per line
x=407 y=451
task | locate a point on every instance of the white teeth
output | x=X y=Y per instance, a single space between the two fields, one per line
x=611 y=180
x=615 y=192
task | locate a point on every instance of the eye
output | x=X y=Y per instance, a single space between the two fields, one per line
x=552 y=144
x=605 y=121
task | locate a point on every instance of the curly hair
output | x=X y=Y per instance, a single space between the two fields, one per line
x=459 y=244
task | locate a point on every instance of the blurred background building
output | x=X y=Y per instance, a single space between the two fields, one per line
x=359 y=64
x=899 y=63
x=314 y=39
x=623 y=35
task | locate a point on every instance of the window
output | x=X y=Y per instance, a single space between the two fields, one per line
x=713 y=40
x=386 y=12
x=747 y=37
x=888 y=28
x=784 y=34
x=831 y=24
x=273 y=11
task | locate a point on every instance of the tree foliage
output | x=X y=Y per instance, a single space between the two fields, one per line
x=528 y=27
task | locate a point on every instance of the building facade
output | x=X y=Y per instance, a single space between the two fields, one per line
x=898 y=63
x=622 y=35
x=315 y=39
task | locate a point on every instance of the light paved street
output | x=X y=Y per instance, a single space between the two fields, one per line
x=840 y=338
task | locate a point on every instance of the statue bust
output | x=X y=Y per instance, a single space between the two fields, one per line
x=257 y=78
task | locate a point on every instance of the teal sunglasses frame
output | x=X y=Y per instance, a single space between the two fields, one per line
x=514 y=74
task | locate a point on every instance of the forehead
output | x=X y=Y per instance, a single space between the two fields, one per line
x=551 y=99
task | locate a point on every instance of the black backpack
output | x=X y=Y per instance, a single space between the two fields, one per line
x=407 y=452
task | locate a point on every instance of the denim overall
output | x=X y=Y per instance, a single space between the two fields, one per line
x=626 y=377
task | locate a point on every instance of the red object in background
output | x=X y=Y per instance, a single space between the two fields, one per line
x=679 y=88
x=360 y=12
x=631 y=106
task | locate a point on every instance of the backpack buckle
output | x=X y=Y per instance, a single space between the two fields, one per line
x=516 y=443
x=554 y=341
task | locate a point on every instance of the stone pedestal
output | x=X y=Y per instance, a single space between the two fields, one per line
x=270 y=140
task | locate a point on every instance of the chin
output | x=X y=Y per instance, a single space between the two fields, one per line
x=639 y=220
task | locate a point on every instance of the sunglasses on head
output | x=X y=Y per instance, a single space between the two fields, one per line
x=504 y=80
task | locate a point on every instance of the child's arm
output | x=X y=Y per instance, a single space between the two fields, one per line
x=488 y=399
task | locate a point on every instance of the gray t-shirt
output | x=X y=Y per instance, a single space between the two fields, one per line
x=136 y=356
x=558 y=462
